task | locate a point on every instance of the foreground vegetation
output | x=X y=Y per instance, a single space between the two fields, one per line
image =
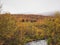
x=19 y=33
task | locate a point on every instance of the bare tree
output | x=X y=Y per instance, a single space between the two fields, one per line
x=0 y=8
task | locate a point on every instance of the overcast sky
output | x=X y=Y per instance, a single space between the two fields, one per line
x=30 y=6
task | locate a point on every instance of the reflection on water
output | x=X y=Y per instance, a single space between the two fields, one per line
x=40 y=42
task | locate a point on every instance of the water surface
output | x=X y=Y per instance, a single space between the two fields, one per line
x=40 y=42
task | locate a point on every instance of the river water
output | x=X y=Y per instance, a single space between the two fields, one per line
x=39 y=42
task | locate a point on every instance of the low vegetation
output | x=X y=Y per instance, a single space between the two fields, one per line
x=13 y=32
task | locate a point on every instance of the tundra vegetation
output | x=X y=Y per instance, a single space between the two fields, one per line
x=13 y=32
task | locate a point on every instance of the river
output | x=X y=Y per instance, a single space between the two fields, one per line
x=39 y=42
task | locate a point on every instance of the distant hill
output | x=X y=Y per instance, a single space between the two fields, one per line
x=29 y=17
